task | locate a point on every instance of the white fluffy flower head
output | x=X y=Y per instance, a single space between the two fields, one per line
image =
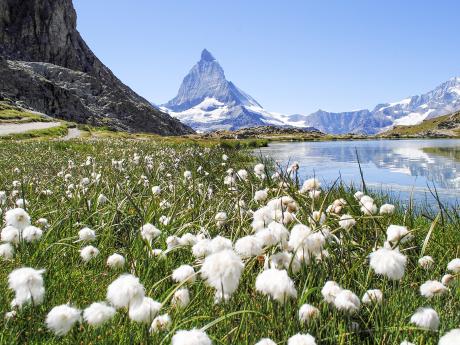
x=184 y=273
x=192 y=337
x=388 y=262
x=222 y=271
x=62 y=318
x=276 y=284
x=88 y=253
x=125 y=291
x=426 y=318
x=98 y=313
x=115 y=261
x=301 y=339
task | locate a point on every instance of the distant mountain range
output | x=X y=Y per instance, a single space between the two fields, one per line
x=208 y=101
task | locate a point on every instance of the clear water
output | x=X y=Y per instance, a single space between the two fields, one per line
x=397 y=167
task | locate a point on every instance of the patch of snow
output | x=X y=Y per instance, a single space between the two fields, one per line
x=411 y=119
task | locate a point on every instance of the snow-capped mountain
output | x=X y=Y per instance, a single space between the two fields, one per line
x=207 y=100
x=443 y=100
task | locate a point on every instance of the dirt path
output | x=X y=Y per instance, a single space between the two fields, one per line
x=72 y=134
x=12 y=128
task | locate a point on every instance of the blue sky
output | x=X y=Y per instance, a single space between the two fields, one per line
x=291 y=56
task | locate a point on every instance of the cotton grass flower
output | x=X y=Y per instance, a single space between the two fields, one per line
x=387 y=209
x=330 y=291
x=358 y=195
x=307 y=313
x=181 y=298
x=160 y=323
x=310 y=184
x=43 y=222
x=450 y=338
x=405 y=342
x=18 y=218
x=259 y=170
x=125 y=291
x=222 y=271
x=173 y=241
x=432 y=288
x=188 y=239
x=447 y=279
x=184 y=273
x=165 y=220
x=98 y=313
x=347 y=301
x=248 y=246
x=88 y=253
x=276 y=284
x=220 y=243
x=86 y=234
x=242 y=174
x=102 y=200
x=265 y=341
x=388 y=262
x=301 y=339
x=10 y=234
x=149 y=232
x=346 y=222
x=317 y=218
x=145 y=311
x=62 y=318
x=6 y=251
x=221 y=219
x=285 y=260
x=454 y=266
x=369 y=208
x=201 y=248
x=426 y=262
x=314 y=194
x=426 y=318
x=397 y=233
x=21 y=203
x=27 y=284
x=337 y=206
x=372 y=296
x=192 y=337
x=156 y=190
x=187 y=175
x=115 y=261
x=260 y=195
x=32 y=233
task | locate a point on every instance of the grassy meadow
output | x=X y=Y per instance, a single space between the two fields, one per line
x=62 y=182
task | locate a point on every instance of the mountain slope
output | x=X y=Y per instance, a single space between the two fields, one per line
x=439 y=127
x=443 y=100
x=47 y=66
x=206 y=100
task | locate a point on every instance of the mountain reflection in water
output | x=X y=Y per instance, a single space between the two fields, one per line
x=391 y=165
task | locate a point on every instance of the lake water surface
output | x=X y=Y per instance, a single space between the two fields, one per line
x=395 y=166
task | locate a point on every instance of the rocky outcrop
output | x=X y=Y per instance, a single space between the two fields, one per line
x=265 y=132
x=47 y=66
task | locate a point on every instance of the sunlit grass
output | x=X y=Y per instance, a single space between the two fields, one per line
x=247 y=316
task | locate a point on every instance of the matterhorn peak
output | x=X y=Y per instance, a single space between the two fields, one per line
x=206 y=55
x=206 y=100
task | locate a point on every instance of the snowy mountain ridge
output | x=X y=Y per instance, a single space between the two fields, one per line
x=207 y=101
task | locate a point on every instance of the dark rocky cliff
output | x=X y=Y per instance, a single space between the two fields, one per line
x=46 y=65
